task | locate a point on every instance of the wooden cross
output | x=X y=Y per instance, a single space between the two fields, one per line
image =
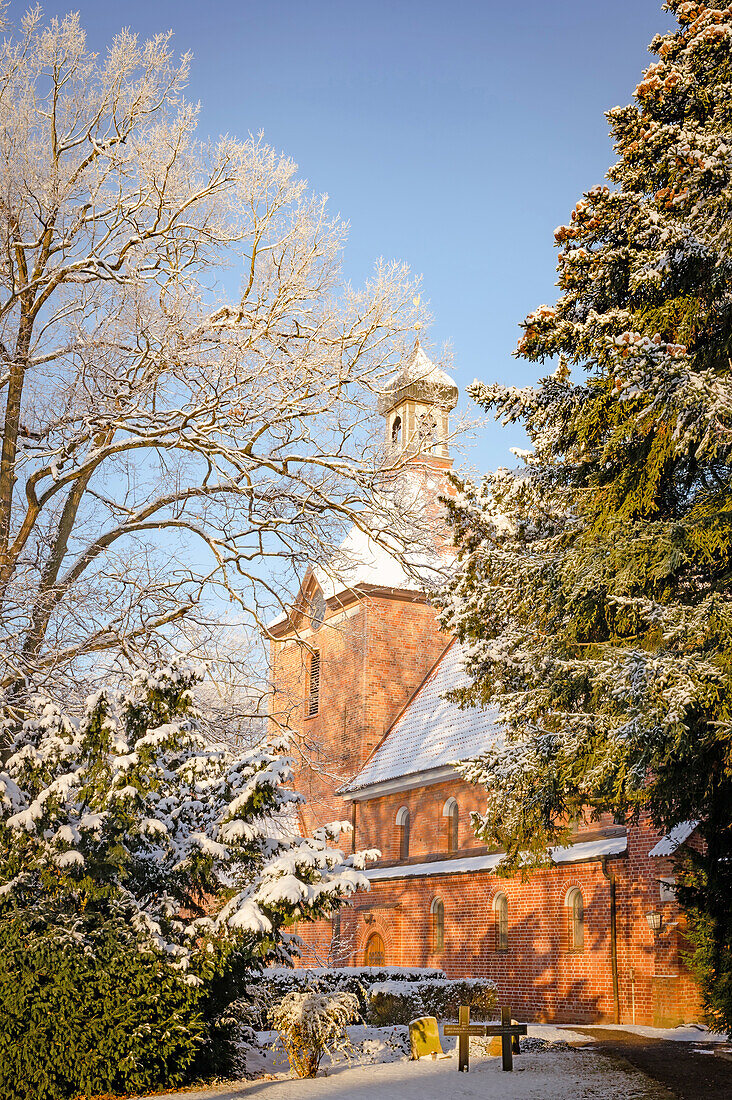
x=464 y=1029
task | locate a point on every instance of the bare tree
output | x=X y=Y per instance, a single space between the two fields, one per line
x=169 y=446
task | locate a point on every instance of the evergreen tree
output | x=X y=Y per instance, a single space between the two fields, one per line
x=159 y=869
x=594 y=588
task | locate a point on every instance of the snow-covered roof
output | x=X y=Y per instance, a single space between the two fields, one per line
x=668 y=844
x=419 y=367
x=419 y=376
x=362 y=561
x=383 y=561
x=431 y=733
x=574 y=853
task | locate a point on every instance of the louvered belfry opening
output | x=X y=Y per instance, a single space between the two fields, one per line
x=314 y=684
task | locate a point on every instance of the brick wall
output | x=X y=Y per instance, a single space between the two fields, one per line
x=376 y=817
x=539 y=976
x=655 y=985
x=374 y=654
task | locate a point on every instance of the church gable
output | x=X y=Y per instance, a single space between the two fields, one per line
x=430 y=735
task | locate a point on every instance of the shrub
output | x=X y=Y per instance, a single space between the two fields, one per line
x=276 y=982
x=311 y=1024
x=95 y=1017
x=395 y=1002
x=145 y=876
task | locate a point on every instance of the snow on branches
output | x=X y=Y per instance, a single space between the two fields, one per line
x=312 y=1024
x=167 y=448
x=593 y=589
x=131 y=812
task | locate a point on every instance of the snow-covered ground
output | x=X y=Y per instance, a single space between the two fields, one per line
x=378 y=1066
x=691 y=1033
x=553 y=1075
x=371 y=1045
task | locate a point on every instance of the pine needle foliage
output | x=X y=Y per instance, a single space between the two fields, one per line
x=594 y=588
x=147 y=875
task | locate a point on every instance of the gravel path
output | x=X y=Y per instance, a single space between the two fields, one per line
x=691 y=1071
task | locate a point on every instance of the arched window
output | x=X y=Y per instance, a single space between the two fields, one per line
x=426 y=427
x=375 y=955
x=402 y=820
x=500 y=908
x=396 y=430
x=438 y=926
x=576 y=914
x=451 y=813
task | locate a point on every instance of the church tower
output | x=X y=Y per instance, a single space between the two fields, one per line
x=417 y=409
x=357 y=642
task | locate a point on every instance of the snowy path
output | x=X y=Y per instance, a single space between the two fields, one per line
x=551 y=1075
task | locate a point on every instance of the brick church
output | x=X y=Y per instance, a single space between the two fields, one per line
x=596 y=937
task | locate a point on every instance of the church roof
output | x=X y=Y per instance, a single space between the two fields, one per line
x=419 y=376
x=431 y=733
x=579 y=852
x=362 y=561
x=668 y=844
x=420 y=367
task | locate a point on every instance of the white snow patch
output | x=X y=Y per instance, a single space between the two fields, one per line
x=438 y=867
x=668 y=844
x=590 y=849
x=685 y=1033
x=69 y=859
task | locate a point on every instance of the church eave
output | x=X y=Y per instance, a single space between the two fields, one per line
x=583 y=851
x=435 y=393
x=285 y=623
x=425 y=778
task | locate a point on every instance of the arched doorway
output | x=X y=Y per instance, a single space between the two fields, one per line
x=375 y=954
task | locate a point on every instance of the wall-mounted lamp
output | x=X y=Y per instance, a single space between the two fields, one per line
x=655 y=922
x=368 y=918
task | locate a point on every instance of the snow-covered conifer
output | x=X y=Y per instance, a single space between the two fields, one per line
x=594 y=592
x=132 y=816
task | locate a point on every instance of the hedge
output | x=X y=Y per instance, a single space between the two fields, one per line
x=385 y=994
x=398 y=1002
x=80 y=1018
x=276 y=982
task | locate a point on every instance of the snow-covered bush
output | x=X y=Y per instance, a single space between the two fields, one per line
x=398 y=1002
x=311 y=1024
x=276 y=982
x=129 y=825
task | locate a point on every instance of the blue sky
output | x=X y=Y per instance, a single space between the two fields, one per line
x=452 y=135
